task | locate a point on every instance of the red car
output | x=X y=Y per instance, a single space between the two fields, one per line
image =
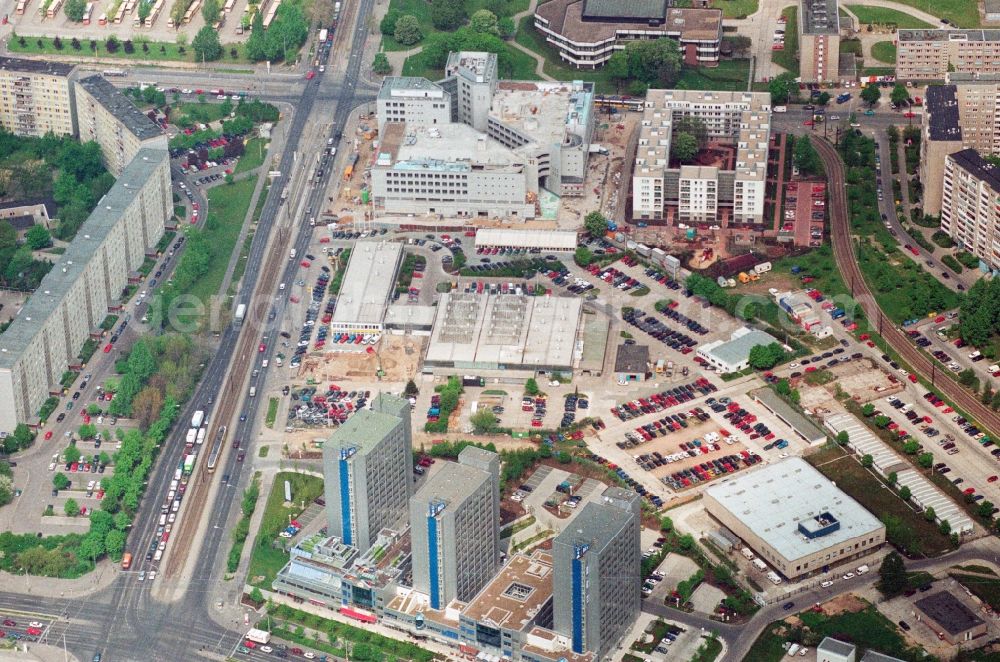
x=909 y=114
x=912 y=378
x=992 y=479
x=305 y=263
x=34 y=632
x=808 y=123
x=310 y=75
x=107 y=348
x=262 y=348
x=48 y=435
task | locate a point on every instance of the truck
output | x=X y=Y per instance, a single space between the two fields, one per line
x=198 y=419
x=201 y=436
x=862 y=569
x=322 y=35
x=188 y=464
x=192 y=436
x=747 y=554
x=258 y=636
x=760 y=565
x=126 y=560
x=661 y=365
x=241 y=313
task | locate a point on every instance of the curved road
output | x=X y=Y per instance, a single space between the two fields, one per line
x=847 y=263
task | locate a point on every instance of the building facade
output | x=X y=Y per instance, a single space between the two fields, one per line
x=932 y=54
x=597 y=563
x=75 y=296
x=36 y=97
x=455 y=528
x=109 y=118
x=819 y=41
x=731 y=191
x=588 y=32
x=367 y=469
x=970 y=206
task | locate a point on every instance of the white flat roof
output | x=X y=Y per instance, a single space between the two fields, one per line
x=557 y=240
x=773 y=500
x=368 y=282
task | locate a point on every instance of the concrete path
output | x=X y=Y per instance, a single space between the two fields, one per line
x=539 y=60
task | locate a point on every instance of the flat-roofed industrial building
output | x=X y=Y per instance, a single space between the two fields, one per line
x=367 y=287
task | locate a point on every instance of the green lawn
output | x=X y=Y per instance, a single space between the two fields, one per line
x=422 y=11
x=522 y=67
x=253 y=155
x=986 y=589
x=885 y=16
x=531 y=39
x=730 y=75
x=914 y=532
x=884 y=51
x=199 y=112
x=158 y=51
x=228 y=204
x=789 y=58
x=266 y=561
x=963 y=13
x=735 y=8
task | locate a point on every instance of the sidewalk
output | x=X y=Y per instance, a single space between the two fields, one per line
x=539 y=60
x=102 y=577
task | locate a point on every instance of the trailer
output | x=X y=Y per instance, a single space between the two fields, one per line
x=322 y=35
x=773 y=576
x=228 y=7
x=269 y=16
x=192 y=437
x=197 y=419
x=189 y=14
x=747 y=554
x=760 y=565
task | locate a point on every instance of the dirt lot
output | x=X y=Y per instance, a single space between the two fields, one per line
x=863 y=380
x=399 y=356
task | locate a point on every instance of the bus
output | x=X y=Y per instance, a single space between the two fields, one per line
x=21 y=5
x=87 y=13
x=241 y=312
x=126 y=560
x=114 y=73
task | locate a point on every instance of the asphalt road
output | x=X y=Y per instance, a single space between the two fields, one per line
x=124 y=621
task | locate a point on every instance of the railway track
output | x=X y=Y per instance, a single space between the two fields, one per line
x=847 y=262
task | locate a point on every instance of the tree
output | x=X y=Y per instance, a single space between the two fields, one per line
x=882 y=422
x=944 y=527
x=448 y=14
x=583 y=256
x=506 y=27
x=904 y=493
x=380 y=65
x=206 y=45
x=87 y=431
x=868 y=409
x=867 y=461
x=765 y=357
x=892 y=575
x=739 y=43
x=146 y=406
x=484 y=21
x=806 y=158
x=111 y=44
x=8 y=235
x=686 y=542
x=911 y=447
x=900 y=95
x=256 y=596
x=823 y=99
x=114 y=543
x=871 y=94
x=210 y=11
x=925 y=460
x=843 y=437
x=617 y=67
x=75 y=9
x=407 y=30
x=783 y=89
x=531 y=387
x=929 y=514
x=967 y=377
x=985 y=509
x=23 y=436
x=654 y=62
x=684 y=147
x=483 y=420
x=177 y=11
x=388 y=24
x=60 y=481
x=6 y=490
x=595 y=224
x=71 y=454
x=71 y=508
x=144 y=9
x=892 y=478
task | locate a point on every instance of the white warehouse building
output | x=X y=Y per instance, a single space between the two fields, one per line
x=533 y=240
x=367 y=287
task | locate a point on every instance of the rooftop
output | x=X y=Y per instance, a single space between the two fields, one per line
x=949 y=612
x=941 y=113
x=736 y=350
x=800 y=423
x=368 y=282
x=970 y=161
x=363 y=431
x=773 y=500
x=72 y=264
x=820 y=17
x=20 y=64
x=624 y=9
x=121 y=107
x=632 y=358
x=516 y=594
x=566 y=17
x=474 y=65
x=544 y=239
x=875 y=656
x=948 y=35
x=452 y=483
x=836 y=646
x=409 y=87
x=504 y=330
x=451 y=147
x=598 y=523
x=546 y=113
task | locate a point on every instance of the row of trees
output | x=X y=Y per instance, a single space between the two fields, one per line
x=979 y=314
x=283 y=39
x=646 y=63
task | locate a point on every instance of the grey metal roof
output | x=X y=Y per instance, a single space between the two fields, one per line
x=632 y=358
x=20 y=64
x=737 y=350
x=453 y=483
x=875 y=656
x=363 y=431
x=836 y=646
x=414 y=83
x=949 y=612
x=772 y=500
x=941 y=110
x=625 y=9
x=596 y=525
x=368 y=282
x=71 y=265
x=800 y=423
x=120 y=106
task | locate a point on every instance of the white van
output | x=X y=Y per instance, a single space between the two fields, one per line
x=263 y=364
x=163 y=520
x=176 y=506
x=793 y=649
x=157 y=555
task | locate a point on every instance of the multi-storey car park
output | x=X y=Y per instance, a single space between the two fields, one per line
x=76 y=295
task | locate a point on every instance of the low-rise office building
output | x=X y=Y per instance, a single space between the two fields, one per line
x=819 y=41
x=970 y=206
x=588 y=32
x=931 y=54
x=367 y=287
x=75 y=296
x=733 y=355
x=795 y=519
x=631 y=363
x=726 y=187
x=107 y=116
x=950 y=617
x=36 y=97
